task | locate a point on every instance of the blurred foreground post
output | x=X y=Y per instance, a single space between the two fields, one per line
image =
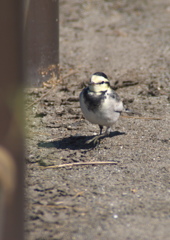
x=41 y=40
x=11 y=139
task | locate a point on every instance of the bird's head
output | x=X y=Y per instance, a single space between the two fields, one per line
x=99 y=82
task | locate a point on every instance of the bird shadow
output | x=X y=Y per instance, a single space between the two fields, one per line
x=74 y=142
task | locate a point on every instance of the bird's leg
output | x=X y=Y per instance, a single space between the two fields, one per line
x=101 y=128
x=108 y=129
x=97 y=138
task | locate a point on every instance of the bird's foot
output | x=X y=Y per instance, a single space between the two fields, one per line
x=95 y=140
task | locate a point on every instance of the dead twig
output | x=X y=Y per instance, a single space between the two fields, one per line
x=78 y=194
x=39 y=99
x=53 y=87
x=144 y=118
x=81 y=164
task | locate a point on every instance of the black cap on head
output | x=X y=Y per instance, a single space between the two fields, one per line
x=101 y=74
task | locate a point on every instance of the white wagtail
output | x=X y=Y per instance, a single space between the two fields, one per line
x=100 y=104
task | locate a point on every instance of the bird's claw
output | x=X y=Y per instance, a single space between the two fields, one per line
x=95 y=140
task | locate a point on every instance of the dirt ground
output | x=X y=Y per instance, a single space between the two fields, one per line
x=129 y=40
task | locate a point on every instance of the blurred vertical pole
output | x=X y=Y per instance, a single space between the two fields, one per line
x=41 y=40
x=11 y=139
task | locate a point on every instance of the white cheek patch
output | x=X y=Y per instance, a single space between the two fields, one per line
x=98 y=88
x=97 y=79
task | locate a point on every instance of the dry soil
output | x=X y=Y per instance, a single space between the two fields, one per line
x=129 y=40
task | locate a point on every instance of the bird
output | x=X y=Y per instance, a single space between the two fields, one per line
x=100 y=104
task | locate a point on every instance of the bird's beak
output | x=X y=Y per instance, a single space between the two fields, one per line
x=91 y=83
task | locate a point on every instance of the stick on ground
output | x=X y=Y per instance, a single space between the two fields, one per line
x=143 y=118
x=81 y=164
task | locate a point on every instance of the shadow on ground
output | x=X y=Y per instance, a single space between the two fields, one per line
x=74 y=142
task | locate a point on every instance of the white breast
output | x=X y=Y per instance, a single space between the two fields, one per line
x=105 y=115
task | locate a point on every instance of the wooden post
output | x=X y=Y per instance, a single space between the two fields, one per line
x=41 y=40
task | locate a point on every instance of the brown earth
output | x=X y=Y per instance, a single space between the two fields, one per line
x=129 y=40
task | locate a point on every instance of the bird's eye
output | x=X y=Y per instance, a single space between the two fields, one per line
x=102 y=82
